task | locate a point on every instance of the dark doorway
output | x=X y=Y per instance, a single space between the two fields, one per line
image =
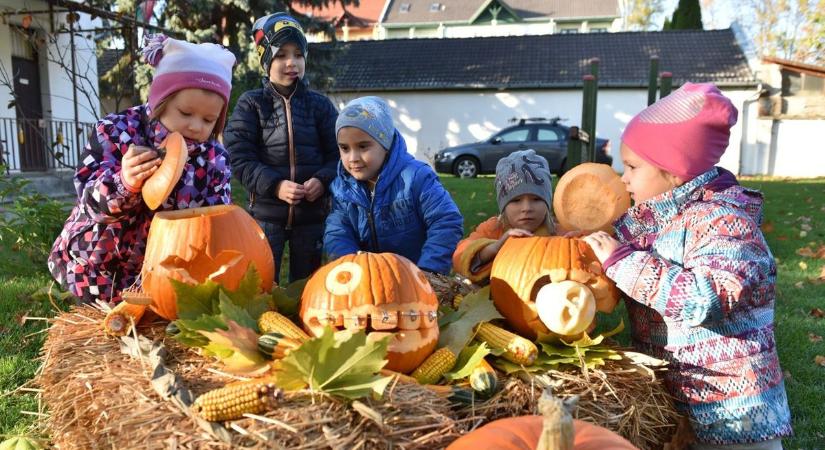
x=29 y=114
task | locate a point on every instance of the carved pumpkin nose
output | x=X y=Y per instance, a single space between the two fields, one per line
x=567 y=307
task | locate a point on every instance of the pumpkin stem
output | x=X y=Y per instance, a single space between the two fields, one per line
x=557 y=430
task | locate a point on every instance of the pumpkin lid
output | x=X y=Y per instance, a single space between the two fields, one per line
x=590 y=197
x=158 y=187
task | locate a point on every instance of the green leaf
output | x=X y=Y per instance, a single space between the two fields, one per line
x=247 y=295
x=474 y=309
x=287 y=299
x=344 y=364
x=196 y=300
x=468 y=359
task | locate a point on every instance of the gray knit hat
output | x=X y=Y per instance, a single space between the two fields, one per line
x=371 y=115
x=523 y=172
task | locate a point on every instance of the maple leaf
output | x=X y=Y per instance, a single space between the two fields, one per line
x=343 y=364
x=814 y=338
x=457 y=329
x=819 y=360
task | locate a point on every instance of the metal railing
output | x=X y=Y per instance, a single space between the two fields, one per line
x=39 y=145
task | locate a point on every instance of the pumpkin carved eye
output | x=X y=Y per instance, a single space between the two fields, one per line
x=566 y=308
x=344 y=278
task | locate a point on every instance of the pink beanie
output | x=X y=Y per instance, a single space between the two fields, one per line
x=182 y=65
x=684 y=133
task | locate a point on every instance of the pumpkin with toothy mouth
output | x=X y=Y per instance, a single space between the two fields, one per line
x=383 y=293
x=550 y=286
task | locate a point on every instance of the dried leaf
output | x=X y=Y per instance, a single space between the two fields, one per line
x=803 y=234
x=768 y=227
x=814 y=338
x=782 y=238
x=803 y=265
x=818 y=313
x=799 y=284
x=820 y=360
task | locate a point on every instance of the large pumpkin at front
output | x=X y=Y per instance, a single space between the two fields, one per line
x=193 y=245
x=550 y=285
x=383 y=293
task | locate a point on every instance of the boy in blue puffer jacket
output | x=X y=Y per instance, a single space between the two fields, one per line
x=384 y=200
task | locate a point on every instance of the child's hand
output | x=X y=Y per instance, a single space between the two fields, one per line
x=137 y=165
x=314 y=189
x=602 y=244
x=291 y=192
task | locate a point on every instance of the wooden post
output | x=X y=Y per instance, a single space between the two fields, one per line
x=651 y=80
x=667 y=84
x=594 y=94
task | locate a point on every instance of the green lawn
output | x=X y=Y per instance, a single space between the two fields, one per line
x=795 y=218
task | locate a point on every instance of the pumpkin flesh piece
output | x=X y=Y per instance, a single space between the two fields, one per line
x=157 y=188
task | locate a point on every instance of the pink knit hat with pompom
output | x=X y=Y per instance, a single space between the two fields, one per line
x=182 y=65
x=686 y=132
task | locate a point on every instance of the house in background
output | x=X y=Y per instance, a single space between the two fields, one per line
x=352 y=23
x=477 y=18
x=446 y=92
x=50 y=113
x=791 y=111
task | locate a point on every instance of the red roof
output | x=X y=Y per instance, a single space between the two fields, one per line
x=367 y=13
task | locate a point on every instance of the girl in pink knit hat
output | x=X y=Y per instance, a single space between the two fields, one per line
x=100 y=250
x=698 y=272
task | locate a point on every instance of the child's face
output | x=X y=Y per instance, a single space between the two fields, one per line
x=287 y=66
x=526 y=211
x=644 y=180
x=361 y=155
x=192 y=113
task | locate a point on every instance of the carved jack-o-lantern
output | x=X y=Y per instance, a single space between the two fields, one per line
x=550 y=285
x=383 y=293
x=194 y=245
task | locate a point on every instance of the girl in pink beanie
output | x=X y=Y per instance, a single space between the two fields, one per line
x=100 y=250
x=698 y=272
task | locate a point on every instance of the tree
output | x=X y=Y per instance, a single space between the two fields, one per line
x=687 y=16
x=227 y=22
x=642 y=14
x=789 y=29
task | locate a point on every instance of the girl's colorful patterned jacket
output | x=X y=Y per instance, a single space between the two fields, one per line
x=486 y=233
x=703 y=279
x=100 y=250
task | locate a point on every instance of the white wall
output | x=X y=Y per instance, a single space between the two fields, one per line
x=430 y=121
x=788 y=148
x=500 y=29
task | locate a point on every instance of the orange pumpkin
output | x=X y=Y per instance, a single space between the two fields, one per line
x=192 y=245
x=590 y=197
x=523 y=433
x=157 y=188
x=383 y=293
x=550 y=285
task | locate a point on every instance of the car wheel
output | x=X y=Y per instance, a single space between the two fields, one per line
x=466 y=167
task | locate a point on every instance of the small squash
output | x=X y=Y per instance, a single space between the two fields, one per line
x=589 y=198
x=157 y=188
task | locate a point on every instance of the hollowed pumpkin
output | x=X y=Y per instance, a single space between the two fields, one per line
x=192 y=245
x=523 y=433
x=157 y=188
x=590 y=197
x=383 y=293
x=550 y=285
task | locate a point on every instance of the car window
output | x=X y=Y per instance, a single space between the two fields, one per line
x=517 y=135
x=549 y=134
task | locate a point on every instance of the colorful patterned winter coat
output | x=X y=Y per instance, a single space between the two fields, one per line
x=703 y=283
x=100 y=251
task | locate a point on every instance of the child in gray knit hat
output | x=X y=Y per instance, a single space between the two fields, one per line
x=384 y=200
x=524 y=192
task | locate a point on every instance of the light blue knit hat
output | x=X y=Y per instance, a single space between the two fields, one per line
x=371 y=115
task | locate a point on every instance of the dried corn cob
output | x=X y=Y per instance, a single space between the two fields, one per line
x=119 y=320
x=516 y=348
x=275 y=322
x=276 y=345
x=457 y=300
x=436 y=365
x=456 y=394
x=234 y=400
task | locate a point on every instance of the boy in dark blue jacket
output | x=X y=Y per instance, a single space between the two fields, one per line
x=384 y=200
x=281 y=142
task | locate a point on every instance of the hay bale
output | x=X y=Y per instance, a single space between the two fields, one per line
x=100 y=396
